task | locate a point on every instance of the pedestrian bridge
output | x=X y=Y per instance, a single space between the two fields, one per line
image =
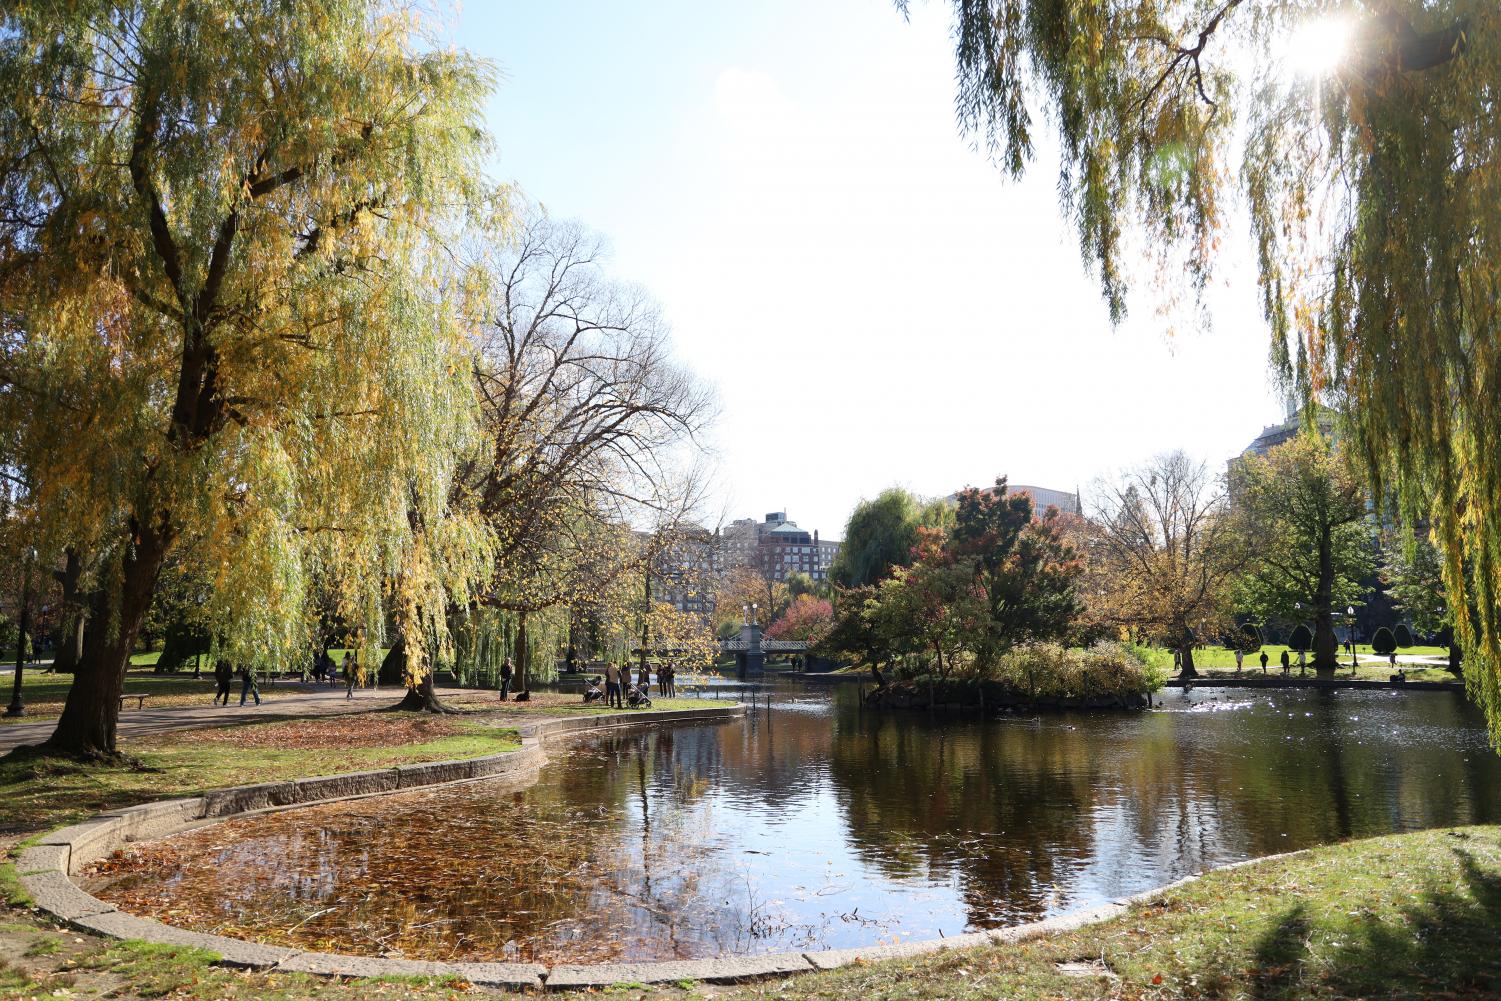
x=750 y=649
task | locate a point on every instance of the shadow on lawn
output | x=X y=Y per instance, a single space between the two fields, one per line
x=1447 y=943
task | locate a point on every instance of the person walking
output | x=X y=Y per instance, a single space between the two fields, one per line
x=223 y=677
x=612 y=684
x=1240 y=660
x=248 y=686
x=507 y=672
x=1286 y=663
x=1302 y=663
x=1264 y=659
x=350 y=673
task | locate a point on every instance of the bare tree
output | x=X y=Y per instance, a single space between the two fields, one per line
x=1162 y=552
x=585 y=418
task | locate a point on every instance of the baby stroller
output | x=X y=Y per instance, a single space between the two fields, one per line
x=635 y=698
x=592 y=691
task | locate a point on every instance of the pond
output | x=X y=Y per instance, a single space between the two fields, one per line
x=815 y=824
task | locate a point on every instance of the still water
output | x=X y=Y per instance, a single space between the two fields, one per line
x=814 y=824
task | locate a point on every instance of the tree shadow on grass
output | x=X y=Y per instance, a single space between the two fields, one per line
x=1446 y=943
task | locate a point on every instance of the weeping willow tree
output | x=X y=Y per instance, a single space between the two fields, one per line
x=225 y=317
x=1362 y=136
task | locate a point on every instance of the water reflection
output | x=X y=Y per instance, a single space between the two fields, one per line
x=812 y=823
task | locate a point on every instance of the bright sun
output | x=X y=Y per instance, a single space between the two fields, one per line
x=1317 y=48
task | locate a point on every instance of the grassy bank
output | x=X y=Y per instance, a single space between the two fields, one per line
x=44 y=694
x=1214 y=660
x=1409 y=916
x=41 y=794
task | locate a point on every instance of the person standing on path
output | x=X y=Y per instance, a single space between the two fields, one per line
x=612 y=684
x=662 y=673
x=1263 y=661
x=223 y=676
x=1286 y=663
x=350 y=671
x=672 y=681
x=643 y=679
x=248 y=686
x=1302 y=662
x=507 y=672
x=1240 y=660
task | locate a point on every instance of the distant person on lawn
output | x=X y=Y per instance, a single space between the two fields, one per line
x=507 y=672
x=1263 y=661
x=1287 y=662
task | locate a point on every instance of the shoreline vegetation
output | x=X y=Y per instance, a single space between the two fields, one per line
x=1038 y=676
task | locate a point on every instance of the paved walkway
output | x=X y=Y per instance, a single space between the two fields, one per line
x=142 y=722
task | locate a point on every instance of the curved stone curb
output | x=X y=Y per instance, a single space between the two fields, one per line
x=45 y=867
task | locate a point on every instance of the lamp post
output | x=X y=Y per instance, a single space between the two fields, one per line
x=1302 y=668
x=17 y=707
x=1350 y=631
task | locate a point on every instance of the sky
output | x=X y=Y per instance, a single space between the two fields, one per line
x=874 y=303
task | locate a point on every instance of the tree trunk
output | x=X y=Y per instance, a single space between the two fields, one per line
x=1186 y=652
x=87 y=725
x=70 y=645
x=420 y=697
x=523 y=661
x=75 y=616
x=1325 y=647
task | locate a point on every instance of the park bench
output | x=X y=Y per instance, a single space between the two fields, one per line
x=140 y=698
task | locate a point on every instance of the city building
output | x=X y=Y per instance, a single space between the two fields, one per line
x=1291 y=426
x=774 y=547
x=1066 y=501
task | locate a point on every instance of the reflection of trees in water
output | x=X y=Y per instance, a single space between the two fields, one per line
x=628 y=847
x=1015 y=809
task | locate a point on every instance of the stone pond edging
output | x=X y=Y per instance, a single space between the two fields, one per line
x=45 y=869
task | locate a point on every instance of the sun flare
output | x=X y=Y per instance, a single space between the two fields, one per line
x=1317 y=48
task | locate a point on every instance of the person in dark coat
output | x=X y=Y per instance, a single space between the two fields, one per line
x=223 y=676
x=507 y=672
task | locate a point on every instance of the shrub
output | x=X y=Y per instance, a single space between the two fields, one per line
x=1403 y=636
x=1249 y=637
x=1384 y=642
x=1047 y=670
x=1301 y=638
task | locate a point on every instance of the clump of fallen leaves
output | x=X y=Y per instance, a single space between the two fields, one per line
x=331 y=733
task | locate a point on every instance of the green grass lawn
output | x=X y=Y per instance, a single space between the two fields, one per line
x=44 y=694
x=41 y=794
x=1217 y=659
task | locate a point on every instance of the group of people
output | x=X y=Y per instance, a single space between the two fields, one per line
x=325 y=669
x=618 y=692
x=224 y=676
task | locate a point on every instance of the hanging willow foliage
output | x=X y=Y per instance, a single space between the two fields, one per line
x=1374 y=191
x=227 y=320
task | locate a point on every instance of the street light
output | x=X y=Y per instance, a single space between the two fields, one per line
x=17 y=707
x=1350 y=632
